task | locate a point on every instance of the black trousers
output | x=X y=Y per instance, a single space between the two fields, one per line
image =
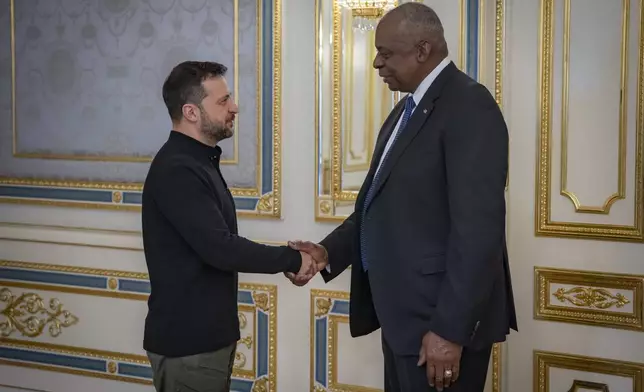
x=403 y=375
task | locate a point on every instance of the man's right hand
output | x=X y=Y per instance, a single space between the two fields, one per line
x=307 y=269
x=316 y=253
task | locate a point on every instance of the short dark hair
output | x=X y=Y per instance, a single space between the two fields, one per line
x=184 y=84
x=421 y=20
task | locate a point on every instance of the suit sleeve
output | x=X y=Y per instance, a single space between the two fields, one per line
x=340 y=246
x=190 y=205
x=476 y=159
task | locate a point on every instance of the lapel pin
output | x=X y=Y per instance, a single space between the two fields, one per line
x=425 y=111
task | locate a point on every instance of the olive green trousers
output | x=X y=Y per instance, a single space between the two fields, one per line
x=207 y=372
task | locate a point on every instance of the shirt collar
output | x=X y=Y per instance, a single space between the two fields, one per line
x=194 y=146
x=429 y=79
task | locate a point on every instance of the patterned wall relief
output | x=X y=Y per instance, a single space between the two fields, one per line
x=83 y=113
x=590 y=169
x=352 y=102
x=587 y=297
x=575 y=373
x=98 y=295
x=28 y=315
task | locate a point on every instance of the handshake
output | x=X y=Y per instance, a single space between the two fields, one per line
x=314 y=259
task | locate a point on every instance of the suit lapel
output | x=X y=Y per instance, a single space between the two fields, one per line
x=385 y=132
x=415 y=124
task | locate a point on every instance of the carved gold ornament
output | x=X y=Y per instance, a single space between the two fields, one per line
x=247 y=341
x=261 y=385
x=265 y=203
x=243 y=321
x=28 y=315
x=591 y=297
x=261 y=300
x=323 y=306
x=240 y=361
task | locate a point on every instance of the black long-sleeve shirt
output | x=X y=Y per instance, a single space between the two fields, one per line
x=193 y=251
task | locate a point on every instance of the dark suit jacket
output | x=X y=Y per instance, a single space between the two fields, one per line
x=436 y=226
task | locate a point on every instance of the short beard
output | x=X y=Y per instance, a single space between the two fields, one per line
x=214 y=131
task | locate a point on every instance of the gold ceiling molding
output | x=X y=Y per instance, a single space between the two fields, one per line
x=545 y=224
x=600 y=299
x=545 y=361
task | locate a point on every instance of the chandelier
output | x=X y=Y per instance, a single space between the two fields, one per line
x=366 y=13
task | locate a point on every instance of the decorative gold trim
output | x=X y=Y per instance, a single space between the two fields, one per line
x=128 y=158
x=235 y=158
x=620 y=194
x=497 y=367
x=591 y=297
x=69 y=350
x=334 y=384
x=462 y=26
x=587 y=298
x=248 y=341
x=326 y=203
x=544 y=225
x=578 y=385
x=544 y=361
x=277 y=107
x=272 y=210
x=321 y=303
x=264 y=295
x=22 y=315
x=74 y=270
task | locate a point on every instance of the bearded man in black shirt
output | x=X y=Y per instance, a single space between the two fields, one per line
x=192 y=247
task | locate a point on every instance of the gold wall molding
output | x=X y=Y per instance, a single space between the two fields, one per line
x=620 y=193
x=545 y=361
x=268 y=202
x=80 y=353
x=333 y=200
x=256 y=301
x=545 y=224
x=580 y=385
x=28 y=315
x=328 y=310
x=600 y=299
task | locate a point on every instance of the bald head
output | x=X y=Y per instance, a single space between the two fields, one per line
x=410 y=42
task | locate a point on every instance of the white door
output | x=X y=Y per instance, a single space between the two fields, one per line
x=574 y=102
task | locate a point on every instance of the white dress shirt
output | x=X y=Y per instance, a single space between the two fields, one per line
x=416 y=96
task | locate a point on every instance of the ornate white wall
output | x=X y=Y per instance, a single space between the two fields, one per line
x=578 y=275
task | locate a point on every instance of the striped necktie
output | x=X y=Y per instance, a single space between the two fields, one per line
x=409 y=108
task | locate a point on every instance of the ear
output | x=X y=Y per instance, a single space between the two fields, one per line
x=424 y=51
x=190 y=112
